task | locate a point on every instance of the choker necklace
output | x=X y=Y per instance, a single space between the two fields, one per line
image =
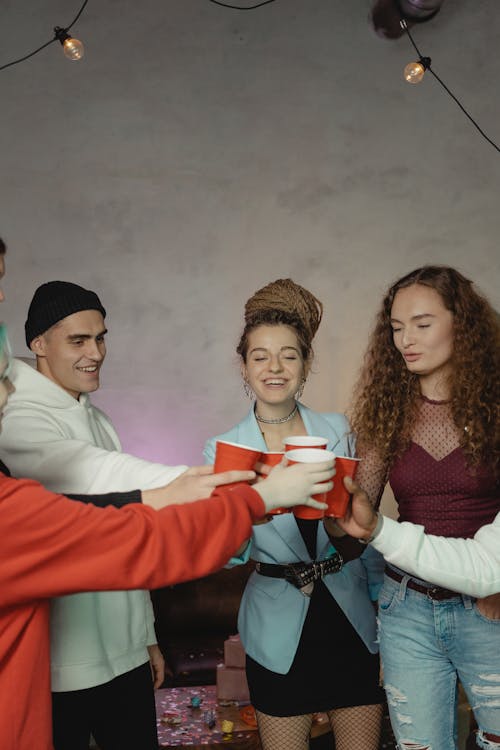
x=281 y=420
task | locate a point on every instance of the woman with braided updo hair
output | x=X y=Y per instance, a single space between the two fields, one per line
x=309 y=648
x=426 y=416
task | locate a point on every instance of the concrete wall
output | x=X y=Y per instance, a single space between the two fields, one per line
x=197 y=153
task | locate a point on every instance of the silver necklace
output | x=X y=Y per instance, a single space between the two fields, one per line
x=281 y=420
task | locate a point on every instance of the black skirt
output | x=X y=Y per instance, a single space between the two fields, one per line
x=332 y=667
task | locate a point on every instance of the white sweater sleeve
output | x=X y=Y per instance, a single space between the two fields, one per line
x=470 y=566
x=32 y=445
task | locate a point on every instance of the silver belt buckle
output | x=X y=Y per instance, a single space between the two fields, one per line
x=307 y=589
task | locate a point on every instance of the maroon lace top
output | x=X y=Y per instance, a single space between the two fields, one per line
x=431 y=482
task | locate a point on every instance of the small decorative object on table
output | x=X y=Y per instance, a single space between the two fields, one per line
x=209 y=718
x=172 y=718
x=227 y=726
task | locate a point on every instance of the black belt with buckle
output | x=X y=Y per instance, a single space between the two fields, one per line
x=302 y=575
x=435 y=593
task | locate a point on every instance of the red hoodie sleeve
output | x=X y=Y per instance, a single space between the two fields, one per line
x=51 y=546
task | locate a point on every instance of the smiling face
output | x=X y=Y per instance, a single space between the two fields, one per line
x=274 y=366
x=71 y=352
x=423 y=332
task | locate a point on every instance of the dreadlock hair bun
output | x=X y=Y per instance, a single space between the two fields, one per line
x=283 y=302
x=289 y=297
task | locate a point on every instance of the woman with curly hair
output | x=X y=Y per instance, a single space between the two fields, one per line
x=425 y=414
x=311 y=647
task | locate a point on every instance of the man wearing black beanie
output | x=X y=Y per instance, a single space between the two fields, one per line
x=72 y=354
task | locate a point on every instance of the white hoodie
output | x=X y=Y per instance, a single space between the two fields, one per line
x=71 y=446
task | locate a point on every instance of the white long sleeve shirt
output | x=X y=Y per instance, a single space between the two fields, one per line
x=470 y=566
x=70 y=446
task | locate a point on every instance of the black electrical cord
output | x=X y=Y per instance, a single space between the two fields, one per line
x=426 y=62
x=242 y=7
x=26 y=57
x=75 y=19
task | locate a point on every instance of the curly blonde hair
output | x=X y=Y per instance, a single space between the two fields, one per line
x=283 y=302
x=386 y=396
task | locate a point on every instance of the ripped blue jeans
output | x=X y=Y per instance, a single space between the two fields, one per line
x=424 y=646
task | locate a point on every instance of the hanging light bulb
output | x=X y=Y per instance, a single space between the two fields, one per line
x=415 y=71
x=72 y=48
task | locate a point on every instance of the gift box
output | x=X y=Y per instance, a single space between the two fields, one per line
x=232 y=684
x=234 y=653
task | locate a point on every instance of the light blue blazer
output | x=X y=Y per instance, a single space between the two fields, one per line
x=272 y=611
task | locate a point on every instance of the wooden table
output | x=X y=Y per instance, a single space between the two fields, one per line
x=193 y=731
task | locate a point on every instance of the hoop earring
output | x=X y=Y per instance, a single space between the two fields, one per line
x=300 y=390
x=248 y=391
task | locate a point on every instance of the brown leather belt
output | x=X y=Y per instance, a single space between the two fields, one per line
x=436 y=593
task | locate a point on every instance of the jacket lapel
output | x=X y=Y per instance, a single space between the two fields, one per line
x=286 y=527
x=249 y=432
x=316 y=425
x=323 y=543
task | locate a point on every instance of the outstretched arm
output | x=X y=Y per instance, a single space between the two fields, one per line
x=470 y=566
x=52 y=546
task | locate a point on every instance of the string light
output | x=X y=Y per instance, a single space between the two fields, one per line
x=72 y=48
x=415 y=71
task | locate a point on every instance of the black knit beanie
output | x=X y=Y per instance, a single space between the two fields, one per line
x=54 y=301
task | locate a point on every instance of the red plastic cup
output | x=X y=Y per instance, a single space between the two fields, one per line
x=232 y=456
x=310 y=456
x=304 y=441
x=273 y=458
x=338 y=497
